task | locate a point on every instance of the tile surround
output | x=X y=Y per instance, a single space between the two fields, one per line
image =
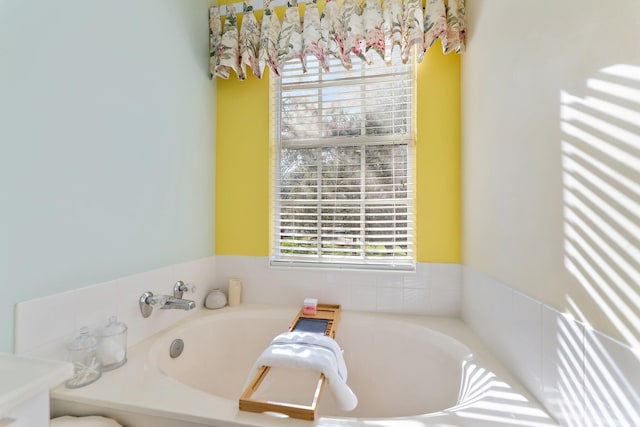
x=582 y=377
x=43 y=325
x=562 y=387
x=526 y=347
x=612 y=380
x=433 y=289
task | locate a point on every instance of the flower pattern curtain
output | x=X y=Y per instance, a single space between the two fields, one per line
x=249 y=40
x=345 y=29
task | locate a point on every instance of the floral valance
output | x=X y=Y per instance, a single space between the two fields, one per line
x=345 y=29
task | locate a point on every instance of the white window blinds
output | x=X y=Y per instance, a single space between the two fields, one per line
x=343 y=187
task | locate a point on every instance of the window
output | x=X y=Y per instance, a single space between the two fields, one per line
x=343 y=165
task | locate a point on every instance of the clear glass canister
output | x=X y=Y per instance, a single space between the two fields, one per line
x=113 y=345
x=82 y=351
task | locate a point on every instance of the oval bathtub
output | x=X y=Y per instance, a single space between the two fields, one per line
x=403 y=369
x=378 y=353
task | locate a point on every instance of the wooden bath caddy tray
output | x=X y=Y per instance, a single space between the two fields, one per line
x=324 y=321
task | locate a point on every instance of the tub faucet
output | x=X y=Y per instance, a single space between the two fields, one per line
x=148 y=301
x=178 y=303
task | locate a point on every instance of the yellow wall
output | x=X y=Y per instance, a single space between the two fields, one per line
x=242 y=162
x=242 y=167
x=438 y=158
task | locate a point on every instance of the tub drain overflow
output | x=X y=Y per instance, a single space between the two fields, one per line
x=176 y=348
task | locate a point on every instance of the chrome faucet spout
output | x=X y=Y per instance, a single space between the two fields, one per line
x=148 y=301
x=178 y=304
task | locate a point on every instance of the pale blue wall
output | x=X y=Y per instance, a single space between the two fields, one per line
x=107 y=131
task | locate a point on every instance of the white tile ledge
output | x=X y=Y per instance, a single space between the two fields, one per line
x=24 y=378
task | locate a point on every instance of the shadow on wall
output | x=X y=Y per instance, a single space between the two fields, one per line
x=601 y=178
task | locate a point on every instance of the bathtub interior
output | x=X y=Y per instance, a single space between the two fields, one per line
x=396 y=369
x=216 y=354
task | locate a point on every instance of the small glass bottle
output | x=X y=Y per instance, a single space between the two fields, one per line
x=113 y=345
x=83 y=353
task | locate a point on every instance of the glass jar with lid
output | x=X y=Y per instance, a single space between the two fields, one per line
x=82 y=351
x=113 y=345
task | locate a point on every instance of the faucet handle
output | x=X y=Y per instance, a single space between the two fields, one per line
x=180 y=287
x=148 y=301
x=157 y=301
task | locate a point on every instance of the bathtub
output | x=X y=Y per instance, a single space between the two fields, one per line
x=407 y=371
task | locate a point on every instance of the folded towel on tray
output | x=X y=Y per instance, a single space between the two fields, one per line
x=310 y=351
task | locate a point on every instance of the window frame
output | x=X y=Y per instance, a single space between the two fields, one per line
x=277 y=259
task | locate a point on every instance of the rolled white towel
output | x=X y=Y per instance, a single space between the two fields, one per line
x=310 y=351
x=91 y=421
x=319 y=340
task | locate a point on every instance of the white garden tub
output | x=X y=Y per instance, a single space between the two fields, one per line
x=407 y=371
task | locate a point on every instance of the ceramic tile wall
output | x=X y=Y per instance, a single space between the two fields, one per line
x=43 y=325
x=583 y=377
x=433 y=289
